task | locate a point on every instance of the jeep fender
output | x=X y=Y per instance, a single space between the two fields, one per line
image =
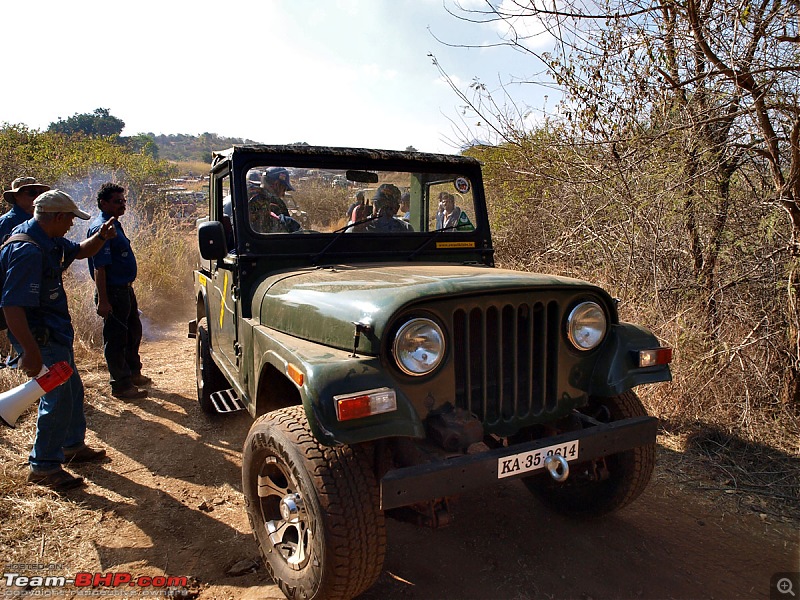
x=328 y=372
x=617 y=369
x=202 y=305
x=201 y=300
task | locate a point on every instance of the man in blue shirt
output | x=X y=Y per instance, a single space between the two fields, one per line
x=40 y=329
x=24 y=190
x=114 y=271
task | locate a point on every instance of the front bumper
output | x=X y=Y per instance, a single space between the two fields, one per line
x=420 y=483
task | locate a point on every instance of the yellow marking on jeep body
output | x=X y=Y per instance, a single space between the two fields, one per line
x=203 y=281
x=222 y=304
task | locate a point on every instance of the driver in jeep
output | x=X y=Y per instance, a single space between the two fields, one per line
x=387 y=202
x=268 y=211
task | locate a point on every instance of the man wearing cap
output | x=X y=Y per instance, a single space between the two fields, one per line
x=268 y=211
x=24 y=190
x=386 y=201
x=114 y=271
x=40 y=329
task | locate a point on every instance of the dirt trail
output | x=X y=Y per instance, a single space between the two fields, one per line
x=168 y=502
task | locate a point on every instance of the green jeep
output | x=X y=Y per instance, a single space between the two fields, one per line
x=390 y=366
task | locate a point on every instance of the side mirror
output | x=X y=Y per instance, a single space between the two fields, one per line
x=211 y=238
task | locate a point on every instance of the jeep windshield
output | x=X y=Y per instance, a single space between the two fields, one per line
x=287 y=200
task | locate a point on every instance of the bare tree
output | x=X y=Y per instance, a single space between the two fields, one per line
x=713 y=85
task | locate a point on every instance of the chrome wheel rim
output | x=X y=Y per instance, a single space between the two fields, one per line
x=284 y=514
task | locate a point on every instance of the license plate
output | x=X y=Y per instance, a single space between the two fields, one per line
x=534 y=460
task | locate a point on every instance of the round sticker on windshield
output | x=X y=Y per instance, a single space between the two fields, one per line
x=462 y=185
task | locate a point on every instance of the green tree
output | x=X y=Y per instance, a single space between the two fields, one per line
x=142 y=143
x=98 y=123
x=80 y=164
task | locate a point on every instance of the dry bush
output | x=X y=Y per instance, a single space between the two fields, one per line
x=87 y=324
x=327 y=205
x=558 y=210
x=568 y=211
x=195 y=168
x=166 y=254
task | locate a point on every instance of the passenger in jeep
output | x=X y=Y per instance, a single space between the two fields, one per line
x=359 y=202
x=451 y=216
x=405 y=211
x=268 y=211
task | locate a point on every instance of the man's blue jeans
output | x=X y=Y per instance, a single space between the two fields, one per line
x=61 y=423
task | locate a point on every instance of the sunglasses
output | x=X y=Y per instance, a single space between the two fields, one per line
x=32 y=193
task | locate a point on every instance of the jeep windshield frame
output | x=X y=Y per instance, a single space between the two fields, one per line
x=318 y=242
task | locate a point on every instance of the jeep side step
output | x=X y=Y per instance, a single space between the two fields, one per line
x=226 y=401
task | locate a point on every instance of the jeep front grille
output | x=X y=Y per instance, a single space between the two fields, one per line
x=506 y=362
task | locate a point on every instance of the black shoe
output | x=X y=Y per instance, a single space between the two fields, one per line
x=56 y=479
x=140 y=379
x=83 y=454
x=129 y=393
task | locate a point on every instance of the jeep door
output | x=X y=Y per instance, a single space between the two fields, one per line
x=223 y=300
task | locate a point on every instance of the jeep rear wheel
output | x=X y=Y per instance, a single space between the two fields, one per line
x=207 y=374
x=314 y=510
x=600 y=487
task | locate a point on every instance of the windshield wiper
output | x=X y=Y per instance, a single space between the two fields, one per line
x=339 y=233
x=424 y=244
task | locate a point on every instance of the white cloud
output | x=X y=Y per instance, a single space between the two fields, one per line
x=522 y=26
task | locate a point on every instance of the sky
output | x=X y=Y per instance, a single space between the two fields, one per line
x=326 y=72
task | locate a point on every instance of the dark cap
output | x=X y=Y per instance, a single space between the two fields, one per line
x=254 y=178
x=387 y=194
x=274 y=174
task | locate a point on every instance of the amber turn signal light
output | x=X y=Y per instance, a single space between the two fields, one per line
x=295 y=374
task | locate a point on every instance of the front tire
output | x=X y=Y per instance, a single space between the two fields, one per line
x=314 y=509
x=628 y=473
x=208 y=376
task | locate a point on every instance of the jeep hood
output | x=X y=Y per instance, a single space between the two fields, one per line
x=322 y=304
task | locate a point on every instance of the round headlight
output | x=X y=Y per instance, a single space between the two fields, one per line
x=419 y=347
x=586 y=325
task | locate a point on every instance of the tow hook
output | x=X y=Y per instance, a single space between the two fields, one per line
x=557 y=466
